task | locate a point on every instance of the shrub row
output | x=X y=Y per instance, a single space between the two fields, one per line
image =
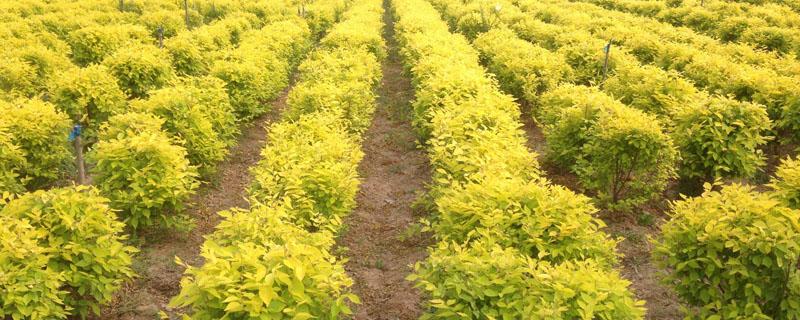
x=648 y=29
x=770 y=28
x=502 y=228
x=62 y=250
x=274 y=261
x=714 y=71
x=148 y=173
x=90 y=95
x=258 y=70
x=44 y=42
x=673 y=100
x=621 y=153
x=713 y=247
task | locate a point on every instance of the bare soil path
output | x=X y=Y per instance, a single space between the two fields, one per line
x=379 y=245
x=158 y=275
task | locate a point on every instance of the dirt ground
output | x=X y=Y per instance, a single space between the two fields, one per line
x=379 y=244
x=159 y=276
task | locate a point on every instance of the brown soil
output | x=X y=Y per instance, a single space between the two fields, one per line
x=380 y=240
x=158 y=275
x=661 y=302
x=636 y=266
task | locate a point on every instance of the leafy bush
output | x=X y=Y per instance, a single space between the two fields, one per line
x=461 y=84
x=190 y=123
x=130 y=124
x=170 y=21
x=360 y=28
x=264 y=225
x=620 y=152
x=786 y=183
x=582 y=290
x=733 y=254
x=85 y=239
x=140 y=68
x=652 y=90
x=187 y=58
x=544 y=222
x=292 y=280
x=479 y=138
x=210 y=95
x=311 y=165
x=17 y=78
x=538 y=32
x=720 y=137
x=353 y=102
x=288 y=39
x=744 y=82
x=566 y=115
x=585 y=54
x=208 y=38
x=144 y=175
x=352 y=65
x=92 y=44
x=732 y=29
x=523 y=69
x=12 y=159
x=629 y=159
x=89 y=96
x=771 y=38
x=486 y=281
x=252 y=79
x=29 y=289
x=703 y=20
x=237 y=24
x=339 y=82
x=322 y=15
x=46 y=63
x=40 y=132
x=478 y=282
x=474 y=17
x=271 y=269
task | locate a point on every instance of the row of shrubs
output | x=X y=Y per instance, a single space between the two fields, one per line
x=717 y=238
x=511 y=245
x=769 y=28
x=647 y=30
x=89 y=96
x=46 y=43
x=626 y=153
x=186 y=127
x=713 y=71
x=621 y=153
x=63 y=250
x=775 y=14
x=274 y=261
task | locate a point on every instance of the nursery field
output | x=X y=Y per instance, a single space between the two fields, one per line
x=399 y=159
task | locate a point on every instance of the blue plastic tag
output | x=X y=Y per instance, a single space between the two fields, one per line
x=76 y=131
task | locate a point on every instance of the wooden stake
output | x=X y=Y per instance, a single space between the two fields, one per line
x=161 y=36
x=607 y=50
x=186 y=12
x=75 y=136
